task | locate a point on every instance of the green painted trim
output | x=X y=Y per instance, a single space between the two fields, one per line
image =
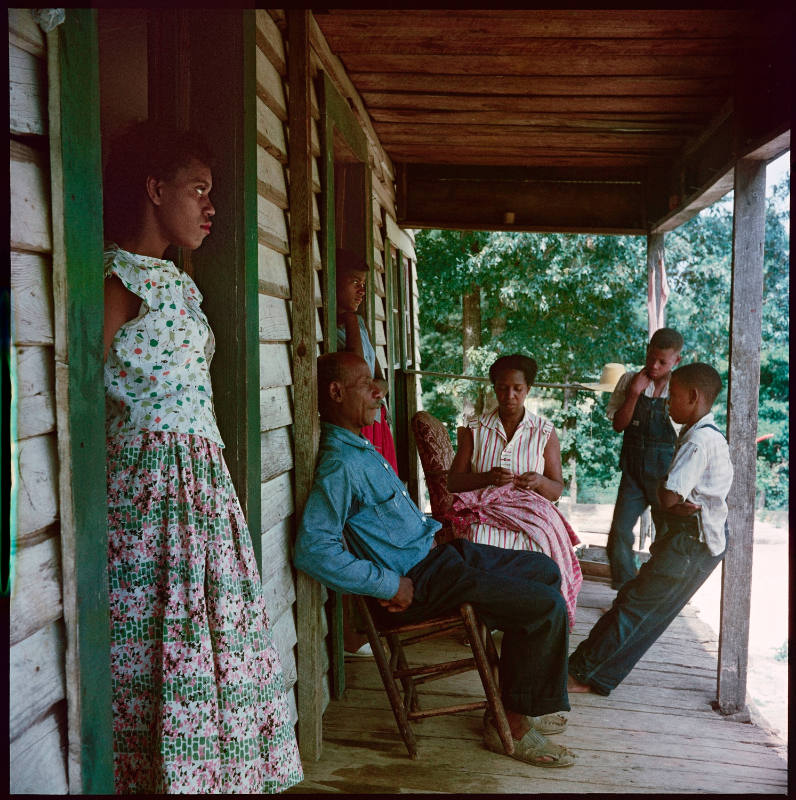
x=78 y=140
x=251 y=285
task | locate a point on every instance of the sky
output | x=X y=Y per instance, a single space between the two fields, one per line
x=775 y=170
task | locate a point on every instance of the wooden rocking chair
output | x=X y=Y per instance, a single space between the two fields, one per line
x=397 y=675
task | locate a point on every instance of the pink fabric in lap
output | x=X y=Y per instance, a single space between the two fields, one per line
x=527 y=511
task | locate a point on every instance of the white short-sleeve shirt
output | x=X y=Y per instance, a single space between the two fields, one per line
x=701 y=472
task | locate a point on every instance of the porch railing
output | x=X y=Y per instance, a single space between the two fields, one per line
x=479 y=379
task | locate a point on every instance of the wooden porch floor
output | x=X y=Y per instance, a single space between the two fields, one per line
x=655 y=733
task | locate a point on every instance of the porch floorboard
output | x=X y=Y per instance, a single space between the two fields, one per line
x=655 y=733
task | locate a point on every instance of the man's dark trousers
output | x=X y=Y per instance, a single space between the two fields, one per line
x=514 y=591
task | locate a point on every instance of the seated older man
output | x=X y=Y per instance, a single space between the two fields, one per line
x=392 y=558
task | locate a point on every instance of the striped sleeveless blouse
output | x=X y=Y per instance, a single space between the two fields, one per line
x=524 y=453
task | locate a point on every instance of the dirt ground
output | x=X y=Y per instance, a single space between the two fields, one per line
x=767 y=677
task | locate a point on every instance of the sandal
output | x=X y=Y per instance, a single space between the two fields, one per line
x=549 y=724
x=533 y=749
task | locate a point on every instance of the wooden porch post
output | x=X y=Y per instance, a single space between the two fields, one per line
x=655 y=281
x=306 y=428
x=742 y=396
x=656 y=319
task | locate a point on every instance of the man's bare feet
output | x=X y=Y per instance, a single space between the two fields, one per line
x=577 y=686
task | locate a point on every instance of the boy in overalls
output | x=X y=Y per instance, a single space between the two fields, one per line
x=638 y=406
x=688 y=545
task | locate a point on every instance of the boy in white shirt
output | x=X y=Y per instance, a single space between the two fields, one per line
x=691 y=543
x=638 y=408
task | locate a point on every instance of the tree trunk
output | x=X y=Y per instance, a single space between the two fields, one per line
x=471 y=337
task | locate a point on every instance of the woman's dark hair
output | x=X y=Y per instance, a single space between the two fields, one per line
x=525 y=364
x=142 y=150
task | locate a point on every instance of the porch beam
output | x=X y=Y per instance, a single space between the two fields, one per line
x=306 y=427
x=543 y=199
x=746 y=302
x=754 y=124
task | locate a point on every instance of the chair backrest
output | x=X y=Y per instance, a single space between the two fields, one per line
x=436 y=454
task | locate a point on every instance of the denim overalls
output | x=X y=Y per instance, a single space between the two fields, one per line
x=647 y=452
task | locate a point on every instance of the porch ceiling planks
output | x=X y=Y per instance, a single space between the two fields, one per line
x=575 y=89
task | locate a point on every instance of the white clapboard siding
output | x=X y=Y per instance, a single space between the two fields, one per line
x=316 y=251
x=269 y=86
x=378 y=282
x=270 y=132
x=269 y=40
x=272 y=228
x=37 y=497
x=276 y=544
x=274 y=323
x=31 y=298
x=27 y=98
x=283 y=631
x=318 y=296
x=274 y=365
x=30 y=203
x=35 y=382
x=381 y=358
x=36 y=677
x=380 y=337
x=35 y=416
x=272 y=272
x=276 y=451
x=278 y=591
x=38 y=757
x=276 y=408
x=24 y=32
x=276 y=500
x=36 y=595
x=378 y=260
x=271 y=178
x=379 y=307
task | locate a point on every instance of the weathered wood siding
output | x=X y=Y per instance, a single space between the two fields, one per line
x=276 y=399
x=37 y=690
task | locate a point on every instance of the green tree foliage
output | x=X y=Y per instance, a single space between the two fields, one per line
x=577 y=302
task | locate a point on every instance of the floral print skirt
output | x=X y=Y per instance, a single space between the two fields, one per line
x=199 y=702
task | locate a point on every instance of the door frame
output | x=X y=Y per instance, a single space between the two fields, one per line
x=337 y=119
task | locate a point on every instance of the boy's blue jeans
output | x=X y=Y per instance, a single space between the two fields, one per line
x=645 y=606
x=634 y=495
x=515 y=591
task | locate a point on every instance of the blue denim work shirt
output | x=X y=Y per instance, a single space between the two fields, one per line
x=357 y=490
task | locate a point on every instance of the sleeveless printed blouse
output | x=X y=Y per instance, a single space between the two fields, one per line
x=157 y=373
x=524 y=453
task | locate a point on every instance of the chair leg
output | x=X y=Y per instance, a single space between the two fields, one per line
x=411 y=700
x=487 y=678
x=390 y=685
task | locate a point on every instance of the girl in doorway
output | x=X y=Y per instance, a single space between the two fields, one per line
x=352 y=336
x=199 y=702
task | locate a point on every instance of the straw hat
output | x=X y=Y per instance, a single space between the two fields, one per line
x=608 y=379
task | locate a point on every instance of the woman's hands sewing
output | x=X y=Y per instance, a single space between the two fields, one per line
x=549 y=488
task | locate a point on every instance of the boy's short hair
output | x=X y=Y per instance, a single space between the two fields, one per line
x=700 y=376
x=524 y=364
x=345 y=261
x=666 y=339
